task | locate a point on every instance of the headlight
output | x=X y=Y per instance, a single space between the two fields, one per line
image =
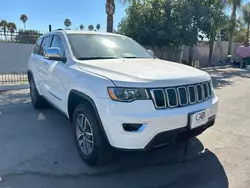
x=127 y=94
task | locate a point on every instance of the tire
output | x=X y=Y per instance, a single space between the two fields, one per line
x=94 y=150
x=37 y=100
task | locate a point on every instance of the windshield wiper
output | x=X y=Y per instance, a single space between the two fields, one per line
x=93 y=58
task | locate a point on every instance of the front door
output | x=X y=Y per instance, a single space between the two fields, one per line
x=55 y=76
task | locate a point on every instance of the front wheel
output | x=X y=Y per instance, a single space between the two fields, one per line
x=89 y=138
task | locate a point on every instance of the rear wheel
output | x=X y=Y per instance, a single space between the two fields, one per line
x=37 y=100
x=89 y=138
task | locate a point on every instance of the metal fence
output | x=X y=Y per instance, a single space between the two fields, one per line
x=21 y=36
x=13 y=78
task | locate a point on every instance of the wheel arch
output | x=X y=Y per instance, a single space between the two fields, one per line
x=30 y=74
x=75 y=98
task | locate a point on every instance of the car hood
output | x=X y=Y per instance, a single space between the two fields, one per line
x=144 y=72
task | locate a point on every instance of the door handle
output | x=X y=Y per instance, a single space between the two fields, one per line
x=45 y=63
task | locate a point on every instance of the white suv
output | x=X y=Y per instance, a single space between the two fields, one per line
x=118 y=95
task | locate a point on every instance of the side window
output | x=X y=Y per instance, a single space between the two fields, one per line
x=45 y=44
x=57 y=42
x=37 y=46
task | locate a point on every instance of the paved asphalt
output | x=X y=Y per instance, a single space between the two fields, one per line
x=37 y=148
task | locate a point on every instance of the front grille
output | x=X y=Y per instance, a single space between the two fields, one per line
x=181 y=95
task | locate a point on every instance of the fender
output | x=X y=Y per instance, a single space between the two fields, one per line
x=91 y=101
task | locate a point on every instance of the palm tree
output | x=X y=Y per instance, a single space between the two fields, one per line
x=98 y=26
x=240 y=36
x=246 y=17
x=11 y=27
x=24 y=18
x=4 y=24
x=67 y=23
x=81 y=27
x=91 y=27
x=235 y=5
x=110 y=10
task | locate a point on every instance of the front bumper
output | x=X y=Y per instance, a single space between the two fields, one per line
x=178 y=135
x=158 y=122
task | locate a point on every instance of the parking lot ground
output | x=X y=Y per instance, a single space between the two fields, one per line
x=37 y=148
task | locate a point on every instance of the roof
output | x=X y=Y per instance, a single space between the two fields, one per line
x=86 y=32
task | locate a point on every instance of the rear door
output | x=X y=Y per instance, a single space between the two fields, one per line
x=33 y=64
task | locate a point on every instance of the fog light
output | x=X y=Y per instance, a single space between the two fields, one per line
x=133 y=127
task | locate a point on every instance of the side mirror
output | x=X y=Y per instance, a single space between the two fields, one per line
x=151 y=52
x=53 y=53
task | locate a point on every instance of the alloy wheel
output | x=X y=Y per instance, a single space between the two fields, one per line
x=33 y=91
x=84 y=134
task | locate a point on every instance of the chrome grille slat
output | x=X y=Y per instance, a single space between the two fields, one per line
x=181 y=95
x=209 y=89
x=206 y=92
x=199 y=93
x=168 y=98
x=157 y=101
x=189 y=94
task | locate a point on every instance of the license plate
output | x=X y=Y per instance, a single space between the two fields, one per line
x=198 y=119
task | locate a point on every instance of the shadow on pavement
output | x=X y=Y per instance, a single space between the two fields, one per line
x=221 y=77
x=183 y=165
x=14 y=97
x=43 y=154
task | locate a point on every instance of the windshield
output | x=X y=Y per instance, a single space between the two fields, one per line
x=94 y=46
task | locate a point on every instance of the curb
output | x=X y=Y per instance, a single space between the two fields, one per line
x=215 y=67
x=14 y=87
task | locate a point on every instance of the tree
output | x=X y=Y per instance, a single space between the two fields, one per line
x=81 y=27
x=215 y=20
x=172 y=23
x=239 y=27
x=246 y=17
x=145 y=24
x=240 y=36
x=24 y=19
x=91 y=27
x=11 y=27
x=110 y=10
x=67 y=23
x=235 y=5
x=4 y=24
x=98 y=26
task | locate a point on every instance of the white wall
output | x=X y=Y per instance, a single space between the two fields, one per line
x=201 y=53
x=14 y=56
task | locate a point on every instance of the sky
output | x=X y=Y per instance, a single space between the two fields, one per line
x=41 y=13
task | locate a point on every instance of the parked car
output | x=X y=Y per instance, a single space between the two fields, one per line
x=117 y=94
